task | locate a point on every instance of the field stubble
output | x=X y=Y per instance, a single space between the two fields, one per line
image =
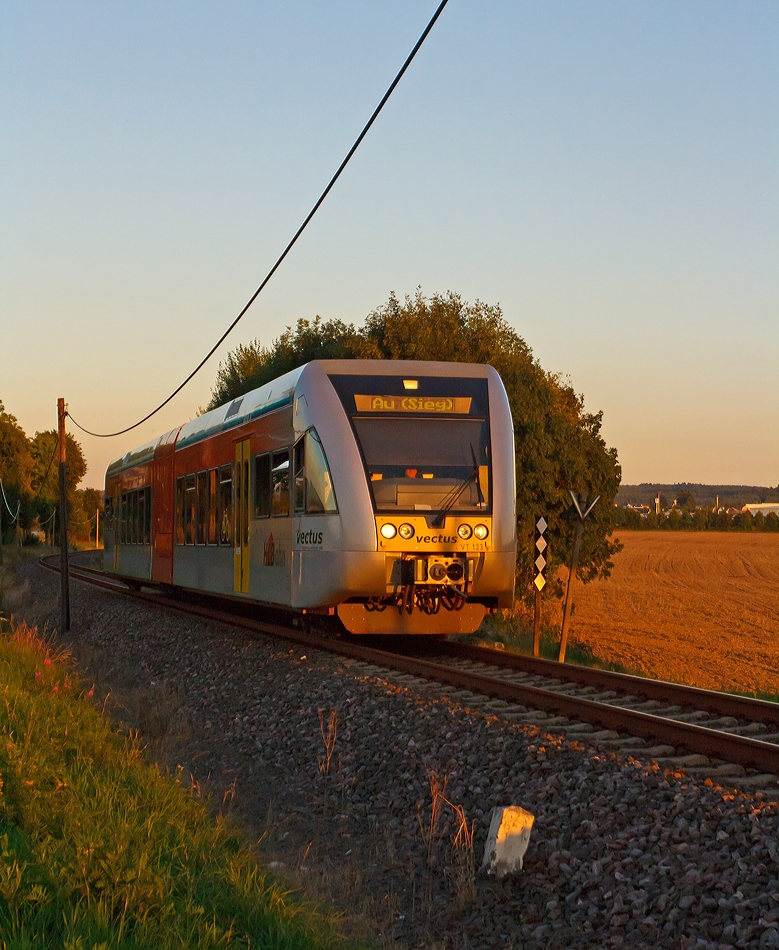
x=696 y=608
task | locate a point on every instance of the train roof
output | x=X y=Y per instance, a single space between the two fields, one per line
x=277 y=393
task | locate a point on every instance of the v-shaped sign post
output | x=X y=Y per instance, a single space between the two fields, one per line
x=582 y=510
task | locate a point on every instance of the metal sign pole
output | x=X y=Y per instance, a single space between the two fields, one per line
x=64 y=574
x=582 y=512
x=539 y=581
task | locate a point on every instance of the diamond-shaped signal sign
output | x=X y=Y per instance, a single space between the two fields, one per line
x=541 y=560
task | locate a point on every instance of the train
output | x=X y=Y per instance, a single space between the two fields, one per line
x=378 y=491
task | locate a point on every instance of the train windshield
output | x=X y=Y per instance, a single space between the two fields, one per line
x=425 y=449
x=420 y=464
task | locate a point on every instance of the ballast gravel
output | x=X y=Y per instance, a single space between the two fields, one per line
x=623 y=853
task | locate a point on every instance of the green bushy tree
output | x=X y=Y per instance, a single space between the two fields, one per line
x=15 y=465
x=559 y=444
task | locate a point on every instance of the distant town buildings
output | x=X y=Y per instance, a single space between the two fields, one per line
x=764 y=509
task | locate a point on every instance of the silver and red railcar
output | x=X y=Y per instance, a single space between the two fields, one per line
x=383 y=491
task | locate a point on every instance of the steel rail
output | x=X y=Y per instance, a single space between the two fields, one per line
x=741 y=750
x=725 y=704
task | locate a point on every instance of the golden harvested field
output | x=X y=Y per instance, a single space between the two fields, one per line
x=696 y=608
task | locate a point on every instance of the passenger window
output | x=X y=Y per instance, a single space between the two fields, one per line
x=180 y=510
x=213 y=506
x=202 y=506
x=300 y=477
x=147 y=516
x=225 y=504
x=320 y=497
x=189 y=510
x=280 y=483
x=262 y=489
x=140 y=516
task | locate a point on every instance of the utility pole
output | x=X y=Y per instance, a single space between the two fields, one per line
x=97 y=525
x=64 y=575
x=582 y=512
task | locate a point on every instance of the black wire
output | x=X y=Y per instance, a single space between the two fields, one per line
x=288 y=248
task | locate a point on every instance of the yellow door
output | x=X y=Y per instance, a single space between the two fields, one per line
x=241 y=517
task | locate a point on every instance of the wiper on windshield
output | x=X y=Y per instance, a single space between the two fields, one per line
x=451 y=499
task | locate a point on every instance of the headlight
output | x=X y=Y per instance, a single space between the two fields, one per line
x=464 y=531
x=388 y=531
x=481 y=531
x=406 y=531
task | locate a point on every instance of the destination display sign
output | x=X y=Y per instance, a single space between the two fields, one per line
x=457 y=405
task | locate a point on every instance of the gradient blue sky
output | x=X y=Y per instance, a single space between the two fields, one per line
x=605 y=171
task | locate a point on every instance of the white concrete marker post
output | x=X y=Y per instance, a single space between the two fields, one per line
x=508 y=840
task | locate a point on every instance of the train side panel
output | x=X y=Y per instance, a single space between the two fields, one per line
x=163 y=510
x=334 y=555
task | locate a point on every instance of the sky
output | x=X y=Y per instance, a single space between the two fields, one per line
x=606 y=172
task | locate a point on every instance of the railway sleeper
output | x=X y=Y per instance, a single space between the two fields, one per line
x=647 y=705
x=749 y=729
x=724 y=722
x=602 y=735
x=726 y=770
x=763 y=780
x=560 y=687
x=534 y=719
x=683 y=761
x=625 y=742
x=698 y=716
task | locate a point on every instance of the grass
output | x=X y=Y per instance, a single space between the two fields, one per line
x=514 y=632
x=98 y=849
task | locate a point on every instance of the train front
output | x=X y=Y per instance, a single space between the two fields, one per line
x=437 y=448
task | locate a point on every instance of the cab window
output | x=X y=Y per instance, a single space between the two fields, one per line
x=280 y=483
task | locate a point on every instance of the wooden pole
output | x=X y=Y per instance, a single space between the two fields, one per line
x=64 y=574
x=537 y=624
x=566 y=616
x=97 y=525
x=1 y=534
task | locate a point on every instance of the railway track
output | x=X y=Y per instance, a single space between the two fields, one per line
x=730 y=738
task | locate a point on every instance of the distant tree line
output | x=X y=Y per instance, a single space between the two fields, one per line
x=558 y=443
x=29 y=472
x=697 y=519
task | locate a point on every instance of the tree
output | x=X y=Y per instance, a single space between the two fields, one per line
x=86 y=502
x=15 y=465
x=251 y=365
x=44 y=479
x=559 y=444
x=686 y=500
x=15 y=461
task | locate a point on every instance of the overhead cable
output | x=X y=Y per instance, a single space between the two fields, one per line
x=18 y=505
x=288 y=248
x=48 y=468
